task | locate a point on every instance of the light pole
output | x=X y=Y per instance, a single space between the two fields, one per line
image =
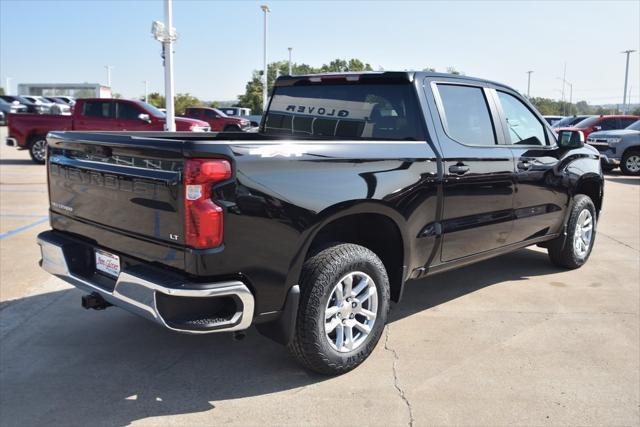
x=146 y=90
x=626 y=78
x=109 y=68
x=529 y=83
x=565 y=82
x=166 y=34
x=290 y=49
x=6 y=86
x=564 y=76
x=265 y=91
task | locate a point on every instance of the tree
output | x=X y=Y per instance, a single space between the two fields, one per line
x=429 y=70
x=452 y=70
x=252 y=97
x=2 y=91
x=184 y=100
x=156 y=100
x=214 y=104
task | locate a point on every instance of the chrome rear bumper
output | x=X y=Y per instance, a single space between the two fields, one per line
x=140 y=294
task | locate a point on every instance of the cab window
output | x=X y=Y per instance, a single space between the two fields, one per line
x=466 y=117
x=524 y=127
x=608 y=124
x=128 y=111
x=98 y=109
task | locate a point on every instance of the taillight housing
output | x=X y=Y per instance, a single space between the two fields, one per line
x=203 y=225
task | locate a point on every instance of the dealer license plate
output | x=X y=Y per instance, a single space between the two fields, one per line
x=107 y=263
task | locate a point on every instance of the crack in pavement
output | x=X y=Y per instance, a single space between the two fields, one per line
x=618 y=241
x=396 y=382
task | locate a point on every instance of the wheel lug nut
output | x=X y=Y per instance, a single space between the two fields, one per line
x=351 y=316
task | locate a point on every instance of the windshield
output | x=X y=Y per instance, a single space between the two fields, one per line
x=634 y=126
x=150 y=108
x=587 y=122
x=356 y=111
x=569 y=121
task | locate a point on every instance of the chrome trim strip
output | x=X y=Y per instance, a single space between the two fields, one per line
x=138 y=295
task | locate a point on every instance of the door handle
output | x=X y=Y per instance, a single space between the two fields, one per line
x=524 y=165
x=459 y=169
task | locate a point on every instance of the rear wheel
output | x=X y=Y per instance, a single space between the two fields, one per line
x=630 y=164
x=343 y=309
x=38 y=149
x=574 y=250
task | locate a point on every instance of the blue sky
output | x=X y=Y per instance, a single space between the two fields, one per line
x=220 y=42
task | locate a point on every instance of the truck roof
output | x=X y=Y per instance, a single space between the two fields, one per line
x=377 y=77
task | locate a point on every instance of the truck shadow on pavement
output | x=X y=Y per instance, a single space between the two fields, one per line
x=19 y=162
x=62 y=365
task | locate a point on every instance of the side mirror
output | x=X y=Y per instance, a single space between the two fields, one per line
x=570 y=139
x=144 y=117
x=597 y=128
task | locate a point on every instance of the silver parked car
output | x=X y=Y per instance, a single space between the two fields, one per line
x=7 y=108
x=619 y=147
x=50 y=107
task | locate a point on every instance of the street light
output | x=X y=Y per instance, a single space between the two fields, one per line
x=109 y=68
x=290 y=49
x=266 y=10
x=529 y=83
x=565 y=82
x=166 y=34
x=626 y=78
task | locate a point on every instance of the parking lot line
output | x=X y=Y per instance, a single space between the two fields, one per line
x=24 y=227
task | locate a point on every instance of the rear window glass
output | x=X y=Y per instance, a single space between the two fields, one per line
x=350 y=111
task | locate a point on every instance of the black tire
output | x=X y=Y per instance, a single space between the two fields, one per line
x=231 y=128
x=562 y=251
x=38 y=149
x=320 y=274
x=630 y=164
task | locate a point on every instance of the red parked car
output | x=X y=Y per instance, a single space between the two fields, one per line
x=29 y=131
x=218 y=120
x=598 y=123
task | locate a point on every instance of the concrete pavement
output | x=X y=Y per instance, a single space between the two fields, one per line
x=511 y=340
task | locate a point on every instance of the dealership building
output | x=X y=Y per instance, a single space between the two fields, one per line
x=77 y=90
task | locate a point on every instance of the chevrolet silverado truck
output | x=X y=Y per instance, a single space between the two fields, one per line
x=29 y=131
x=217 y=120
x=310 y=228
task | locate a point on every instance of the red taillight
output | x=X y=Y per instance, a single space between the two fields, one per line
x=203 y=218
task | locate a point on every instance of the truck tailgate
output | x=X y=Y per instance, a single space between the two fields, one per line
x=123 y=183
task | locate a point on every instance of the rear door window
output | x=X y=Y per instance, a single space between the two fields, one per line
x=524 y=127
x=466 y=117
x=98 y=109
x=350 y=111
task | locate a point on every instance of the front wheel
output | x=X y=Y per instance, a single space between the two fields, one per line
x=38 y=150
x=573 y=251
x=630 y=164
x=343 y=309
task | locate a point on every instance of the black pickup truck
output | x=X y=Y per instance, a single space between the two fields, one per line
x=355 y=184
